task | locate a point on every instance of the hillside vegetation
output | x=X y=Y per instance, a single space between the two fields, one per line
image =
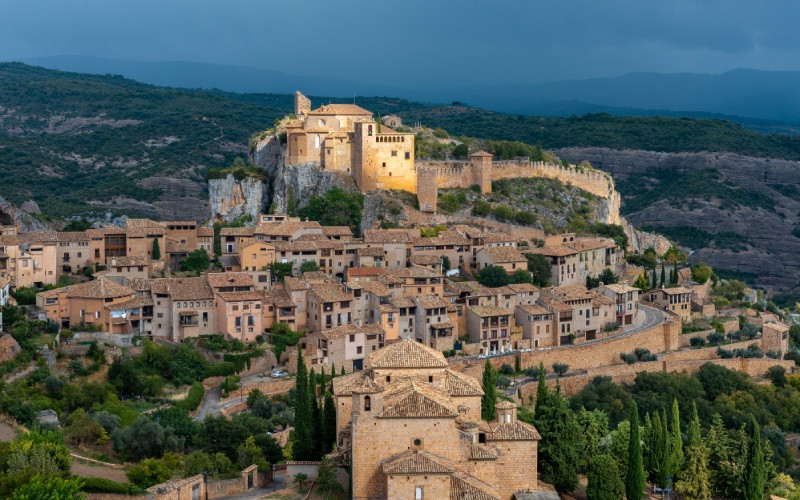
x=79 y=143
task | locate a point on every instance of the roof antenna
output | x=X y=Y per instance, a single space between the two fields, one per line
x=354 y=98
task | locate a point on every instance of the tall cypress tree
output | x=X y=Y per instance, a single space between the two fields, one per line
x=675 y=272
x=663 y=275
x=695 y=479
x=156 y=254
x=655 y=279
x=302 y=446
x=675 y=442
x=560 y=447
x=328 y=424
x=634 y=477
x=489 y=399
x=342 y=372
x=755 y=468
x=694 y=438
x=647 y=430
x=316 y=415
x=541 y=392
x=662 y=457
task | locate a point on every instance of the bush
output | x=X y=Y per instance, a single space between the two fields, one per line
x=697 y=341
x=481 y=208
x=560 y=368
x=102 y=485
x=193 y=399
x=628 y=358
x=503 y=212
x=503 y=382
x=777 y=375
x=715 y=338
x=506 y=369
x=148 y=472
x=197 y=261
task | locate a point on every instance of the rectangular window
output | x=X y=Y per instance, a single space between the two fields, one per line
x=408 y=155
x=238 y=321
x=418 y=493
x=394 y=153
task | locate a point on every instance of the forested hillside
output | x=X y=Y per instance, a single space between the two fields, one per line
x=78 y=143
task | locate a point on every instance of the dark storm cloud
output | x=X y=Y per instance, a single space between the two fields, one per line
x=415 y=42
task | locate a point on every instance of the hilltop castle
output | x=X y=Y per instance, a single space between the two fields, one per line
x=347 y=138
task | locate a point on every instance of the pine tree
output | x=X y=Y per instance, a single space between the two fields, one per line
x=156 y=254
x=675 y=442
x=328 y=424
x=302 y=446
x=755 y=471
x=663 y=275
x=603 y=479
x=542 y=392
x=695 y=482
x=489 y=399
x=634 y=477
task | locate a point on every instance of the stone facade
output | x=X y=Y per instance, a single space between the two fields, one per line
x=411 y=428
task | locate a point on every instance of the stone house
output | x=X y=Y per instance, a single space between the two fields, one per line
x=626 y=301
x=509 y=258
x=91 y=302
x=775 y=338
x=677 y=300
x=412 y=428
x=537 y=325
x=239 y=314
x=491 y=327
x=73 y=251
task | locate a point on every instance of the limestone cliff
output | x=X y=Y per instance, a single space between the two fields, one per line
x=232 y=198
x=10 y=215
x=294 y=185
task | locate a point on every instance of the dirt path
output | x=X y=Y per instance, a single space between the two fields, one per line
x=7 y=432
x=87 y=470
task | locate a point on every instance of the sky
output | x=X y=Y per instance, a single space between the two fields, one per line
x=417 y=43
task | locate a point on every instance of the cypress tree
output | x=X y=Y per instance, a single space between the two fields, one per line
x=655 y=279
x=560 y=447
x=489 y=399
x=316 y=415
x=156 y=254
x=603 y=479
x=328 y=424
x=695 y=480
x=663 y=275
x=755 y=468
x=518 y=363
x=302 y=446
x=333 y=376
x=675 y=272
x=647 y=430
x=675 y=442
x=661 y=455
x=342 y=372
x=634 y=477
x=541 y=392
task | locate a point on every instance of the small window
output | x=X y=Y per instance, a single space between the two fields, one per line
x=417 y=442
x=367 y=403
x=388 y=378
x=408 y=155
x=418 y=493
x=394 y=153
x=430 y=378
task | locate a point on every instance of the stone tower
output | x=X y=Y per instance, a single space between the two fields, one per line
x=482 y=170
x=302 y=105
x=427 y=190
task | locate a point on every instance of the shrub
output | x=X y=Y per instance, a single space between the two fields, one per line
x=194 y=397
x=102 y=485
x=560 y=368
x=481 y=208
x=715 y=338
x=697 y=341
x=503 y=212
x=506 y=369
x=503 y=382
x=628 y=358
x=149 y=472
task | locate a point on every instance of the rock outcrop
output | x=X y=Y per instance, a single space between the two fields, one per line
x=293 y=185
x=11 y=216
x=232 y=199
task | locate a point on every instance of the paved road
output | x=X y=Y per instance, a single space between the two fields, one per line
x=210 y=403
x=652 y=317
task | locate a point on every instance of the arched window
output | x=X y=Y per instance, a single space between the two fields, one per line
x=367 y=403
x=369 y=130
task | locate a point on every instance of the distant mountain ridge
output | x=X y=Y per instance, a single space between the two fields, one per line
x=772 y=96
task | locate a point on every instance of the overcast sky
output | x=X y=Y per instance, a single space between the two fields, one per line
x=417 y=43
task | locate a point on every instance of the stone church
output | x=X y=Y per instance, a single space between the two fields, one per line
x=411 y=428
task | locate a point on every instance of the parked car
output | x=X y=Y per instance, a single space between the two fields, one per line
x=278 y=374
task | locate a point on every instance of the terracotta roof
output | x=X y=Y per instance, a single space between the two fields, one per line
x=555 y=251
x=443 y=325
x=483 y=452
x=370 y=251
x=366 y=386
x=337 y=231
x=621 y=288
x=97 y=289
x=554 y=305
x=571 y=292
x=278 y=298
x=601 y=300
x=292 y=283
x=340 y=109
x=387 y=236
x=483 y=311
x=430 y=301
x=505 y=405
x=413 y=272
x=513 y=431
x=522 y=287
x=237 y=231
x=205 y=231
x=329 y=293
x=387 y=308
x=460 y=384
x=463 y=486
x=676 y=290
x=139 y=284
x=130 y=222
x=535 y=309
x=406 y=353
x=72 y=236
x=188 y=288
x=365 y=271
x=482 y=153
x=489 y=238
x=375 y=288
x=37 y=237
x=403 y=302
x=504 y=254
x=584 y=244
x=350 y=329
x=296 y=246
x=410 y=398
x=443 y=238
x=415 y=462
x=219 y=280
x=286 y=228
x=127 y=261
x=343 y=384
x=136 y=301
x=240 y=296
x=425 y=260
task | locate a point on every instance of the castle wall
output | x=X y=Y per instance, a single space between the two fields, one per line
x=427 y=192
